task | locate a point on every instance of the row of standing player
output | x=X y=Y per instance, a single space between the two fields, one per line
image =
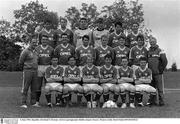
x=95 y=34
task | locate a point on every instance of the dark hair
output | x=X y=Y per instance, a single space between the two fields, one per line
x=143 y=59
x=106 y=36
x=100 y=20
x=71 y=57
x=85 y=36
x=64 y=34
x=122 y=37
x=83 y=18
x=135 y=23
x=124 y=57
x=140 y=36
x=107 y=56
x=118 y=23
x=54 y=56
x=44 y=35
x=63 y=19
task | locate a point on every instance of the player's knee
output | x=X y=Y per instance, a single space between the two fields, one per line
x=66 y=89
x=116 y=90
x=86 y=89
x=59 y=88
x=138 y=89
x=47 y=89
x=122 y=89
x=79 y=89
x=132 y=89
x=105 y=89
x=151 y=90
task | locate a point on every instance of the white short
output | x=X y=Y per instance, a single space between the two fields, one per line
x=72 y=86
x=145 y=88
x=42 y=70
x=108 y=84
x=127 y=86
x=54 y=86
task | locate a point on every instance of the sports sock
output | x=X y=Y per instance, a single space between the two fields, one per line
x=131 y=97
x=115 y=97
x=48 y=98
x=123 y=97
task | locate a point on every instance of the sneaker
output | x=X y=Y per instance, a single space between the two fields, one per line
x=140 y=104
x=50 y=105
x=88 y=104
x=36 y=104
x=94 y=104
x=58 y=104
x=23 y=106
x=131 y=105
x=123 y=105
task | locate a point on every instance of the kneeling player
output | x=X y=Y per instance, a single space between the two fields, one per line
x=90 y=74
x=109 y=79
x=72 y=79
x=125 y=82
x=54 y=77
x=143 y=77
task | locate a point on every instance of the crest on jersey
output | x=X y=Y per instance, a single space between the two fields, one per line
x=128 y=73
x=122 y=73
x=89 y=51
x=118 y=51
x=142 y=52
x=137 y=52
x=111 y=71
x=61 y=49
x=75 y=72
x=108 y=51
x=125 y=52
x=88 y=72
x=100 y=51
x=140 y=74
x=57 y=71
x=41 y=51
x=92 y=72
x=68 y=49
x=105 y=72
x=50 y=71
x=48 y=51
x=81 y=51
x=146 y=74
x=68 y=71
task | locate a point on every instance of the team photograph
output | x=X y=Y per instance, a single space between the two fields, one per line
x=88 y=63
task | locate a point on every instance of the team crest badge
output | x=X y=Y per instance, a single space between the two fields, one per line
x=89 y=51
x=137 y=52
x=108 y=52
x=111 y=71
x=74 y=72
x=93 y=72
x=117 y=51
x=50 y=71
x=100 y=51
x=128 y=74
x=61 y=49
x=146 y=74
x=81 y=51
x=68 y=49
x=57 y=72
x=48 y=51
x=122 y=73
x=105 y=72
x=41 y=51
x=125 y=52
x=69 y=71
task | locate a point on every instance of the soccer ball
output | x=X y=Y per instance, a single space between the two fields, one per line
x=109 y=104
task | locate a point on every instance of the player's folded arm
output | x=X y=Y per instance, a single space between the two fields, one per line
x=127 y=79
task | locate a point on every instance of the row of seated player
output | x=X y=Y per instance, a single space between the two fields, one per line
x=102 y=85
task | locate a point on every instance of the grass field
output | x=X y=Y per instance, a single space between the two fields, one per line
x=10 y=96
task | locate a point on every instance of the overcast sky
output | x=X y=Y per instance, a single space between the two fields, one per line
x=162 y=16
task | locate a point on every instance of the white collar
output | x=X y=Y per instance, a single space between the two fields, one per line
x=124 y=69
x=85 y=47
x=136 y=33
x=107 y=67
x=72 y=68
x=90 y=67
x=104 y=48
x=118 y=34
x=65 y=46
x=62 y=29
x=54 y=67
x=44 y=47
x=142 y=69
x=139 y=47
x=121 y=48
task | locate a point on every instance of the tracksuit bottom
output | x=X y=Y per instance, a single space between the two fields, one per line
x=29 y=80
